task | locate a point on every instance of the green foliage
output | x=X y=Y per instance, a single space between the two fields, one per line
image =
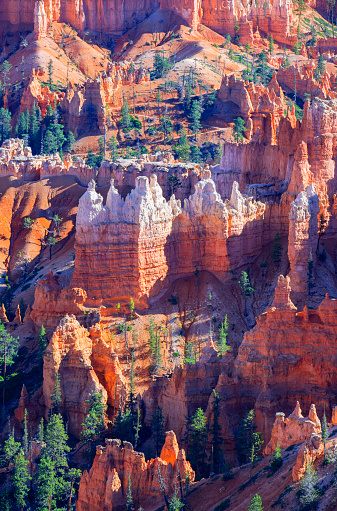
x=175 y=503
x=277 y=249
x=43 y=341
x=161 y=66
x=5 y=125
x=10 y=449
x=324 y=433
x=158 y=431
x=262 y=66
x=175 y=182
x=129 y=499
x=189 y=354
x=308 y=493
x=245 y=285
x=196 y=155
x=70 y=140
x=56 y=438
x=277 y=458
x=93 y=160
x=54 y=139
x=9 y=346
x=95 y=420
x=45 y=481
x=165 y=125
x=248 y=442
x=222 y=341
x=218 y=462
x=20 y=481
x=56 y=397
x=113 y=148
x=256 y=503
x=239 y=129
x=27 y=222
x=197 y=442
x=196 y=112
x=154 y=344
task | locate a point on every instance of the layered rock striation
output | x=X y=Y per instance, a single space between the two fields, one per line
x=151 y=241
x=116 y=466
x=85 y=365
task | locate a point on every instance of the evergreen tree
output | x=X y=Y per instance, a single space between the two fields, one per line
x=11 y=448
x=101 y=152
x=125 y=121
x=196 y=112
x=56 y=438
x=216 y=439
x=129 y=499
x=5 y=125
x=91 y=159
x=183 y=149
x=113 y=148
x=308 y=488
x=262 y=67
x=50 y=74
x=324 y=433
x=239 y=129
x=197 y=442
x=70 y=141
x=20 y=481
x=188 y=97
x=49 y=143
x=158 y=431
x=165 y=126
x=276 y=251
x=256 y=503
x=43 y=341
x=248 y=441
x=175 y=503
x=45 y=480
x=247 y=289
x=25 y=434
x=271 y=46
x=196 y=155
x=35 y=129
x=56 y=397
x=94 y=421
x=8 y=351
x=22 y=127
x=277 y=458
x=222 y=342
x=40 y=432
x=161 y=65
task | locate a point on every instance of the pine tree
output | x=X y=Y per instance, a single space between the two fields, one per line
x=35 y=129
x=308 y=487
x=129 y=499
x=262 y=67
x=43 y=342
x=277 y=458
x=125 y=121
x=277 y=249
x=175 y=503
x=196 y=112
x=271 y=46
x=5 y=125
x=216 y=439
x=50 y=74
x=256 y=503
x=25 y=434
x=136 y=428
x=183 y=149
x=324 y=433
x=45 y=480
x=158 y=431
x=247 y=289
x=56 y=397
x=197 y=442
x=8 y=352
x=20 y=481
x=40 y=432
x=94 y=421
x=248 y=441
x=196 y=155
x=222 y=342
x=91 y=159
x=239 y=129
x=69 y=142
x=11 y=448
x=56 y=438
x=113 y=148
x=165 y=126
x=320 y=68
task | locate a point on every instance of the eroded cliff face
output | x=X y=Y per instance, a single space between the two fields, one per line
x=85 y=364
x=107 y=482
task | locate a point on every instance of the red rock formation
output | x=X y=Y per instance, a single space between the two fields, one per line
x=260 y=107
x=106 y=484
x=40 y=20
x=308 y=453
x=306 y=85
x=41 y=96
x=149 y=240
x=293 y=430
x=303 y=236
x=83 y=361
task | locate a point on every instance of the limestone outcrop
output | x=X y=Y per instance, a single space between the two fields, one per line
x=85 y=365
x=295 y=429
x=106 y=484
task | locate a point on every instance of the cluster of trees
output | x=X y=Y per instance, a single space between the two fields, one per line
x=44 y=136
